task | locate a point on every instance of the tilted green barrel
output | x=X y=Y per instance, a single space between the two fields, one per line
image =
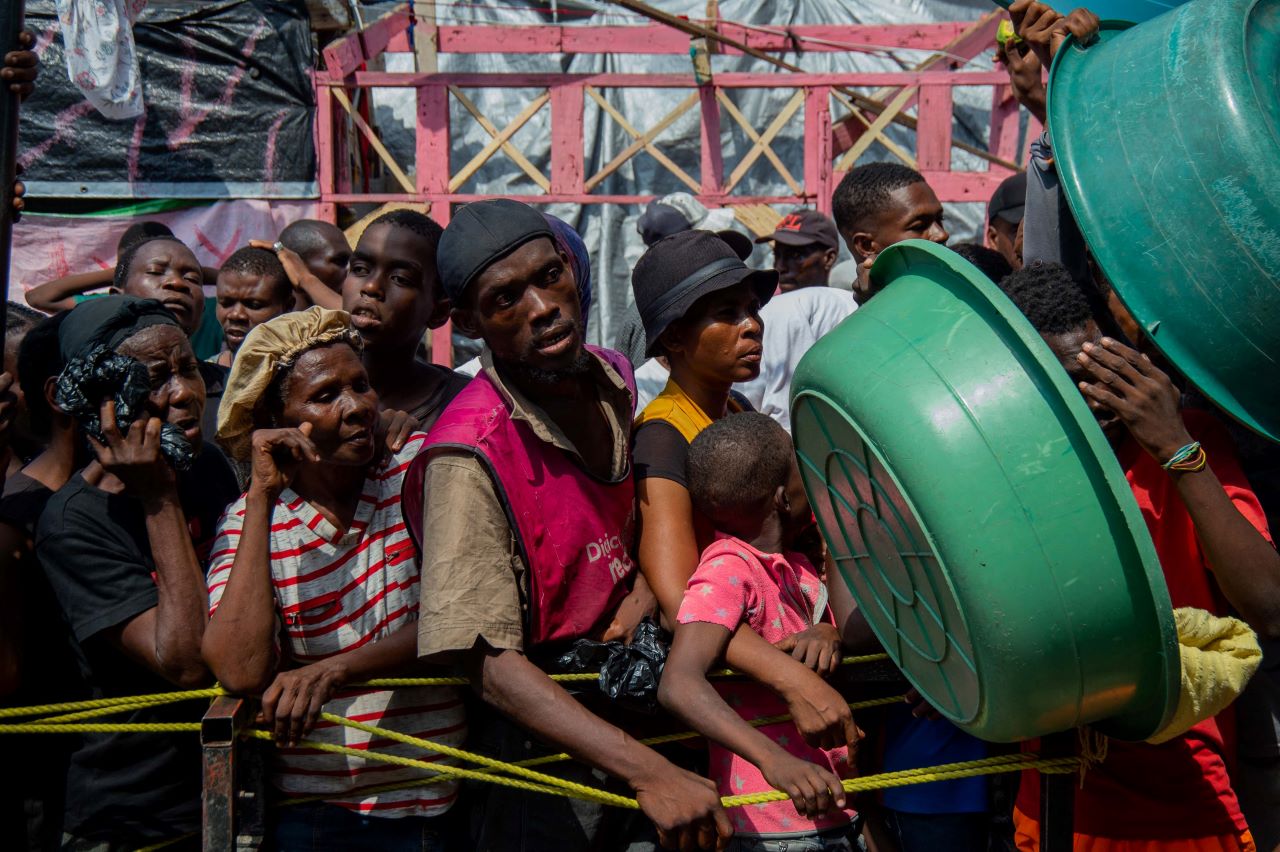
x=977 y=513
x=1167 y=139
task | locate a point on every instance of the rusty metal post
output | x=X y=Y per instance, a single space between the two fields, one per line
x=1057 y=796
x=234 y=805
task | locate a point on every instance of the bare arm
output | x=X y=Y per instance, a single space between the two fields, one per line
x=59 y=294
x=685 y=691
x=303 y=279
x=683 y=806
x=668 y=557
x=1245 y=564
x=166 y=638
x=239 y=643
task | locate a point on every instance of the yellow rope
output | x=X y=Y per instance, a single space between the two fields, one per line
x=216 y=691
x=100 y=712
x=101 y=728
x=457 y=771
x=95 y=703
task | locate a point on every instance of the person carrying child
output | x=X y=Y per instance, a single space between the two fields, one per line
x=744 y=478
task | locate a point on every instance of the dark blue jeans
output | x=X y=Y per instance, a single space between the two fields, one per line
x=319 y=827
x=939 y=832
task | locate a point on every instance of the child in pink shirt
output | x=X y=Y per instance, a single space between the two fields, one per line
x=743 y=477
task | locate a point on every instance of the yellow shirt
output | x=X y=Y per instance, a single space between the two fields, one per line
x=676 y=407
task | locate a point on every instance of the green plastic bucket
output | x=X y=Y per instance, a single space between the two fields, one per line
x=978 y=515
x=1167 y=139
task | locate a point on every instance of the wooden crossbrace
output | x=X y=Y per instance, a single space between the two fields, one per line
x=883 y=138
x=769 y=153
x=643 y=142
x=494 y=144
x=383 y=154
x=534 y=173
x=874 y=129
x=762 y=143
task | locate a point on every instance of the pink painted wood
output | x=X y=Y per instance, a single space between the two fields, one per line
x=346 y=55
x=681 y=81
x=442 y=337
x=324 y=138
x=712 y=172
x=933 y=134
x=817 y=145
x=966 y=44
x=431 y=147
x=1005 y=126
x=659 y=39
x=566 y=137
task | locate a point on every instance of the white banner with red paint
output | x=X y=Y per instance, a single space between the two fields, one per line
x=49 y=247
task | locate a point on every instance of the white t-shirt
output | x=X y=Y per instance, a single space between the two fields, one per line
x=792 y=323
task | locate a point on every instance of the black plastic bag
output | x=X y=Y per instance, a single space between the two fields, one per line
x=629 y=674
x=87 y=382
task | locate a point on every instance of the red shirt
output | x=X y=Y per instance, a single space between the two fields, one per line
x=1179 y=789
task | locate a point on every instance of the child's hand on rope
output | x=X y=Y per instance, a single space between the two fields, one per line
x=820 y=713
x=813 y=790
x=292 y=704
x=818 y=648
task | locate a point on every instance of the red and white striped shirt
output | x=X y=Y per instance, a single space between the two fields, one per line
x=336 y=591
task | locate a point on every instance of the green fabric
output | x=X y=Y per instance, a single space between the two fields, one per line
x=206 y=342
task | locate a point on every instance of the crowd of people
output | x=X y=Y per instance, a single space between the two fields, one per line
x=307 y=503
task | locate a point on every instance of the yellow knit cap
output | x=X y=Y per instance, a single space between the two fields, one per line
x=269 y=348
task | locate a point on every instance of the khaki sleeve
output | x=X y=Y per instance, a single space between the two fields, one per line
x=471 y=572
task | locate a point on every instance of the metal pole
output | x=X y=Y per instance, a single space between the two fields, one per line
x=11 y=16
x=1057 y=796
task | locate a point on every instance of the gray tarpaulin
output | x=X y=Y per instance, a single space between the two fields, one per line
x=609 y=230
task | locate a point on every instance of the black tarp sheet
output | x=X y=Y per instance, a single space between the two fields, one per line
x=228 y=108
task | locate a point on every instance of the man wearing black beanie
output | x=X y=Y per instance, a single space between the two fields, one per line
x=524 y=508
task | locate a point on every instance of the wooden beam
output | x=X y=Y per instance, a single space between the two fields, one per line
x=567 y=137
x=426 y=37
x=751 y=80
x=933 y=139
x=643 y=142
x=873 y=130
x=709 y=139
x=482 y=157
x=657 y=39
x=860 y=99
x=534 y=173
x=431 y=145
x=817 y=146
x=340 y=95
x=883 y=138
x=759 y=145
x=346 y=55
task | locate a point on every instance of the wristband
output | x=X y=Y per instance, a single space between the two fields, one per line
x=1189 y=459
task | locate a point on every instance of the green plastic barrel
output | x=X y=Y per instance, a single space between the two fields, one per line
x=1167 y=138
x=978 y=515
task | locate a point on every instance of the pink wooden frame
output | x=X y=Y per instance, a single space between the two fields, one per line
x=346 y=60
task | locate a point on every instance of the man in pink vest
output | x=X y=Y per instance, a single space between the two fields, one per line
x=527 y=526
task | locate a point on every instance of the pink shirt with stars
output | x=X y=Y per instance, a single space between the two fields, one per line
x=776 y=595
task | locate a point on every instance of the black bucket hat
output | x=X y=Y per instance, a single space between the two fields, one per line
x=679 y=270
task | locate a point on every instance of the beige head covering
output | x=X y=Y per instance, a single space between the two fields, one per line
x=271 y=347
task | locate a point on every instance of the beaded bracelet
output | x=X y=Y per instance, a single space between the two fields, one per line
x=1189 y=459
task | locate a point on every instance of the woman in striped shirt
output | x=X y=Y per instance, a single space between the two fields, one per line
x=313 y=589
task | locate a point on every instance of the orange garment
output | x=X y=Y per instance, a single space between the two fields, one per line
x=1027 y=838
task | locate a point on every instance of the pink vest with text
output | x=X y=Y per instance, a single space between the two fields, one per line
x=575 y=532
